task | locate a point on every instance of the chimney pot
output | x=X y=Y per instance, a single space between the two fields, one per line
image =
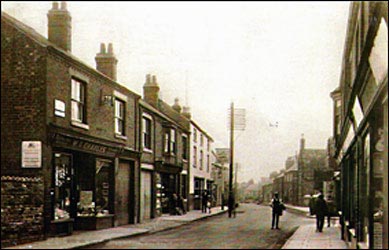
x=55 y=6
x=154 y=79
x=110 y=49
x=63 y=5
x=148 y=76
x=102 y=48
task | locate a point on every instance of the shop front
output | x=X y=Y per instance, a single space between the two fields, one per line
x=168 y=181
x=84 y=175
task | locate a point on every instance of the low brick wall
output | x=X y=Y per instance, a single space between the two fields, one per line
x=21 y=210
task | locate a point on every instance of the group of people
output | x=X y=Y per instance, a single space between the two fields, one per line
x=206 y=200
x=319 y=207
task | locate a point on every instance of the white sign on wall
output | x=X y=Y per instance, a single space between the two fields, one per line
x=31 y=154
x=59 y=108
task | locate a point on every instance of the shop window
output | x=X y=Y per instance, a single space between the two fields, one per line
x=103 y=197
x=78 y=101
x=62 y=186
x=95 y=197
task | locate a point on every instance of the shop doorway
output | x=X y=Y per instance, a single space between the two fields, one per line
x=124 y=208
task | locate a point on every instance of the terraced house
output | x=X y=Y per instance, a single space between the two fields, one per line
x=70 y=157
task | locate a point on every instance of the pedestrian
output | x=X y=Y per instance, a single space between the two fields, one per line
x=277 y=208
x=173 y=204
x=209 y=202
x=223 y=201
x=321 y=210
x=204 y=201
x=331 y=209
x=181 y=204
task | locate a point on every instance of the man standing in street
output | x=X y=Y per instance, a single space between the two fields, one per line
x=321 y=211
x=277 y=210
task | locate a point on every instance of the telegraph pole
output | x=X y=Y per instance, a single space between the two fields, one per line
x=230 y=191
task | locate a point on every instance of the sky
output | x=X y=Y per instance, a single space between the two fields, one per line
x=277 y=60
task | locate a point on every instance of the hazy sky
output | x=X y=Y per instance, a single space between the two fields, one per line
x=277 y=60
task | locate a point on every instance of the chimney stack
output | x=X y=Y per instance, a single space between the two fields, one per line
x=106 y=61
x=176 y=106
x=186 y=112
x=302 y=143
x=60 y=26
x=151 y=90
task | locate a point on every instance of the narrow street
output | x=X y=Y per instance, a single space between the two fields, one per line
x=250 y=229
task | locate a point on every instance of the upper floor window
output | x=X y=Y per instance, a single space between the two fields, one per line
x=146 y=132
x=194 y=156
x=119 y=116
x=208 y=163
x=208 y=145
x=201 y=139
x=195 y=135
x=170 y=141
x=78 y=101
x=173 y=141
x=201 y=159
x=184 y=147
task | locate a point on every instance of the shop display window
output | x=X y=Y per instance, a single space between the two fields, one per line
x=95 y=196
x=62 y=186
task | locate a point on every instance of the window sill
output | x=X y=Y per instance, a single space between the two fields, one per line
x=121 y=137
x=80 y=125
x=147 y=150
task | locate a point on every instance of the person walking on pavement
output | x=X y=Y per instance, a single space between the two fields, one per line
x=277 y=208
x=204 y=201
x=321 y=210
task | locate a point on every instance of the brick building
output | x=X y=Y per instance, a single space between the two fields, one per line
x=165 y=152
x=70 y=148
x=361 y=127
x=310 y=162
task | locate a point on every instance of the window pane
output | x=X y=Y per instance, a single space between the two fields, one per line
x=75 y=111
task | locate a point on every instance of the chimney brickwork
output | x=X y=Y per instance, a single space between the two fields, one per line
x=60 y=26
x=106 y=61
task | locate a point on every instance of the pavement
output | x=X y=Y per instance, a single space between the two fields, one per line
x=81 y=239
x=306 y=237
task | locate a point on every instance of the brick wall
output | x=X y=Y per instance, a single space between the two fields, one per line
x=100 y=117
x=21 y=210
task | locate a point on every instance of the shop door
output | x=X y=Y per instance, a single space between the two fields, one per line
x=123 y=206
x=145 y=201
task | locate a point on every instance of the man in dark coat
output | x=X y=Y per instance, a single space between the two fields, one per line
x=321 y=210
x=276 y=211
x=204 y=200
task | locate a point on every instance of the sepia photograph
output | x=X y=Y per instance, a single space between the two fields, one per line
x=194 y=124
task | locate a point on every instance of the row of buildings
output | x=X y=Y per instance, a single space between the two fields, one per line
x=305 y=174
x=357 y=154
x=82 y=152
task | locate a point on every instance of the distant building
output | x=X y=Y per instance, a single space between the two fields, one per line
x=311 y=162
x=200 y=177
x=291 y=181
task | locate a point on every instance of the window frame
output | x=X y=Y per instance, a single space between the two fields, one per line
x=81 y=103
x=146 y=132
x=119 y=118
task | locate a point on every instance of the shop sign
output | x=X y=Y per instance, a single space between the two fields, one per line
x=31 y=154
